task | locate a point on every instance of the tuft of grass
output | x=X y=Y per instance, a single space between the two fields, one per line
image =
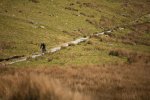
x=114 y=53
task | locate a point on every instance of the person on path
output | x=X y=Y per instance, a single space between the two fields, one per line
x=43 y=47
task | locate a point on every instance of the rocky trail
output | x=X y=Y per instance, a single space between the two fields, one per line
x=17 y=59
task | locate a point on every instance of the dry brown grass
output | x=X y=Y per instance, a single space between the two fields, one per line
x=34 y=86
x=133 y=57
x=123 y=82
x=137 y=35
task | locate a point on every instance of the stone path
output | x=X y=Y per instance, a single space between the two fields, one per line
x=58 y=48
x=53 y=50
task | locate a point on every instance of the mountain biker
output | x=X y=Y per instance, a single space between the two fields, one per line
x=43 y=47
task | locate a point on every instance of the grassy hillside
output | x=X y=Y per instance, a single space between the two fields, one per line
x=112 y=66
x=24 y=24
x=129 y=45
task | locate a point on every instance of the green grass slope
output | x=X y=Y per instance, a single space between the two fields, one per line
x=24 y=24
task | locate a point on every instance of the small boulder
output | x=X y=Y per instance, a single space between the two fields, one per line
x=43 y=27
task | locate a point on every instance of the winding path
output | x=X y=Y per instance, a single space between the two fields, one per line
x=55 y=49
